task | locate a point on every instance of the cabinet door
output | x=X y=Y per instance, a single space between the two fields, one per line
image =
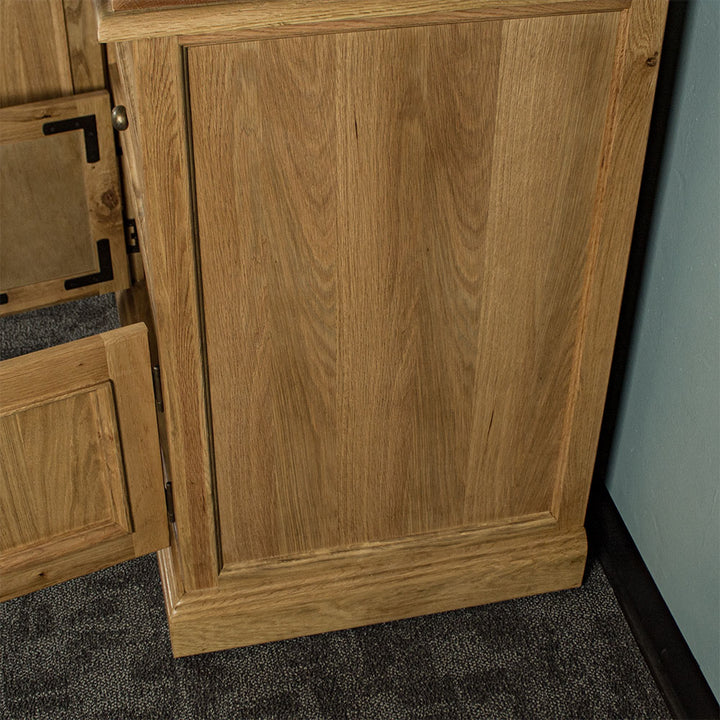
x=393 y=232
x=61 y=225
x=81 y=484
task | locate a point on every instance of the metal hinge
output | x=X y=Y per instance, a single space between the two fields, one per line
x=167 y=487
x=157 y=388
x=132 y=242
x=169 y=502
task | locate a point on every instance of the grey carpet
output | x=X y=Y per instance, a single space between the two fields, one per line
x=98 y=646
x=38 y=329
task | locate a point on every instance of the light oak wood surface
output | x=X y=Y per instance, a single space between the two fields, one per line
x=80 y=482
x=626 y=132
x=84 y=50
x=149 y=4
x=385 y=268
x=391 y=351
x=132 y=192
x=375 y=584
x=56 y=204
x=546 y=158
x=48 y=49
x=45 y=490
x=154 y=73
x=34 y=60
x=207 y=23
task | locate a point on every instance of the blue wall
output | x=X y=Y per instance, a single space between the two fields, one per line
x=664 y=472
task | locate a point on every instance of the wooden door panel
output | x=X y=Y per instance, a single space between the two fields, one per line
x=34 y=61
x=80 y=482
x=83 y=443
x=48 y=49
x=84 y=49
x=393 y=272
x=61 y=227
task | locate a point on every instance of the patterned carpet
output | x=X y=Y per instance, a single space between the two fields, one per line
x=98 y=647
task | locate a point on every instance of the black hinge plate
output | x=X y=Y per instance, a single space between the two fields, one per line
x=87 y=124
x=105 y=274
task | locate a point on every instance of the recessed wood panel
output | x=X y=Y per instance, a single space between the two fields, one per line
x=284 y=286
x=416 y=176
x=62 y=469
x=393 y=272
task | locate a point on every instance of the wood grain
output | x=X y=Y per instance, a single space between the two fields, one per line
x=24 y=380
x=154 y=76
x=149 y=4
x=61 y=468
x=48 y=184
x=64 y=558
x=381 y=255
x=627 y=125
x=129 y=367
x=84 y=50
x=414 y=177
x=132 y=196
x=331 y=592
x=34 y=61
x=80 y=482
x=207 y=23
x=282 y=314
x=397 y=352
x=539 y=220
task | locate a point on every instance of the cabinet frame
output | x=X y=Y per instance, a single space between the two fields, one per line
x=209 y=609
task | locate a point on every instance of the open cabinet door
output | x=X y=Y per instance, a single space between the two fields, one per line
x=81 y=482
x=61 y=225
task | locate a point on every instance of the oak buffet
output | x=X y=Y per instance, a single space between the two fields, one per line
x=384 y=248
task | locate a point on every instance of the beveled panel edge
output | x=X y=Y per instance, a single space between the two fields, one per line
x=129 y=369
x=272 y=18
x=46 y=374
x=258 y=610
x=626 y=132
x=460 y=538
